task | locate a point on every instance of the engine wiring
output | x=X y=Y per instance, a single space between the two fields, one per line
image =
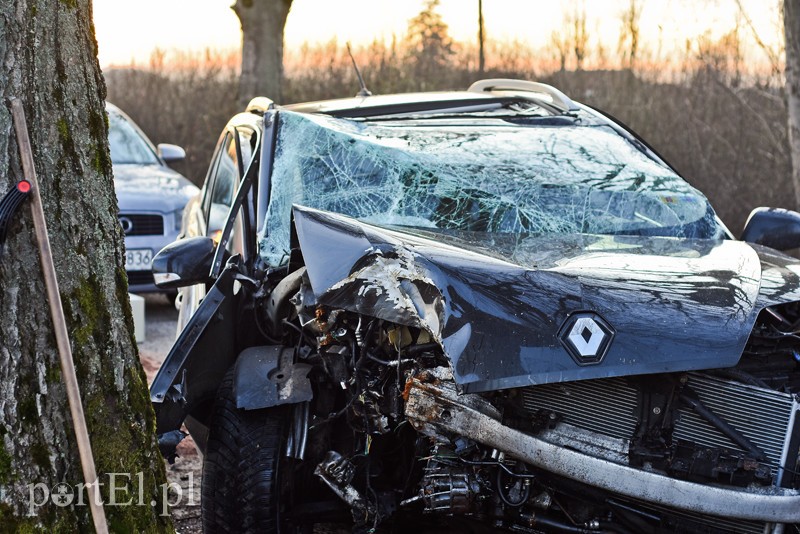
x=378 y=358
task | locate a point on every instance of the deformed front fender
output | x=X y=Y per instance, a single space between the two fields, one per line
x=267 y=376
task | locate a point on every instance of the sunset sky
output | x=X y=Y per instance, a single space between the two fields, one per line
x=129 y=31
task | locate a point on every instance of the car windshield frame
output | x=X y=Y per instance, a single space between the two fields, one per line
x=632 y=182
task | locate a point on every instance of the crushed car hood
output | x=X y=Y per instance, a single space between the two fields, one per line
x=502 y=306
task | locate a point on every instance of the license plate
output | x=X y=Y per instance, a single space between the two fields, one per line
x=138 y=259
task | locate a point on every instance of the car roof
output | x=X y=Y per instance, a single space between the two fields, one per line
x=394 y=103
x=480 y=93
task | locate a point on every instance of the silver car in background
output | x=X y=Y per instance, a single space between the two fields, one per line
x=151 y=196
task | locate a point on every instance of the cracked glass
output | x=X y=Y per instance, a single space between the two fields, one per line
x=478 y=175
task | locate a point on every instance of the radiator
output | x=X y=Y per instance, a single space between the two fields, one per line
x=608 y=406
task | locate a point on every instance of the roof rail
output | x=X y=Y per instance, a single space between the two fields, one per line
x=560 y=100
x=259 y=105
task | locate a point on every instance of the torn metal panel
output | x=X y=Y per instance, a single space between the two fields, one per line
x=434 y=410
x=485 y=175
x=391 y=287
x=497 y=303
x=267 y=376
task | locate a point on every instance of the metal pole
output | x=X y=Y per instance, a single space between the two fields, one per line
x=59 y=323
x=481 y=62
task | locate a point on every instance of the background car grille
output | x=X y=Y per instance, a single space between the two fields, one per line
x=140 y=277
x=141 y=224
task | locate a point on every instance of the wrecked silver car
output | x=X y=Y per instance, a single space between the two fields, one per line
x=495 y=309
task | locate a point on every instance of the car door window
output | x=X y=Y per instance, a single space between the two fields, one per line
x=223 y=185
x=235 y=153
x=247 y=141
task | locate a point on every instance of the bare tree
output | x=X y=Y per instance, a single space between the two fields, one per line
x=771 y=54
x=580 y=37
x=560 y=45
x=791 y=23
x=262 y=22
x=49 y=61
x=629 y=34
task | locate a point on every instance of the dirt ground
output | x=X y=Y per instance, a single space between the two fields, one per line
x=161 y=319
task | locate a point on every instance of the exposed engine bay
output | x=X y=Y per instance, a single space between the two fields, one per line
x=389 y=434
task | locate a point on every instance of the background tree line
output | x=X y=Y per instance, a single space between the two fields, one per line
x=719 y=121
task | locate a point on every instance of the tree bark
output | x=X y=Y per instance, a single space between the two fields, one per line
x=262 y=47
x=791 y=23
x=49 y=61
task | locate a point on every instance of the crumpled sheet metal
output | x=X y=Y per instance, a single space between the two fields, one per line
x=676 y=305
x=391 y=287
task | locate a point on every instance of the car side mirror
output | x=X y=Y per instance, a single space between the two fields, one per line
x=773 y=227
x=171 y=153
x=184 y=262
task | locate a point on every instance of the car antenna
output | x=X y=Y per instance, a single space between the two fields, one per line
x=364 y=91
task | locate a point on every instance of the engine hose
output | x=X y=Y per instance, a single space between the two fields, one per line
x=526 y=492
x=357 y=332
x=538 y=521
x=741 y=376
x=424 y=347
x=690 y=398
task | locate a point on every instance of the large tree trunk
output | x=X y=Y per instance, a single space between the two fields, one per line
x=262 y=47
x=49 y=61
x=791 y=22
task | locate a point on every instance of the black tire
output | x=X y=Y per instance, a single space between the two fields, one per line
x=241 y=469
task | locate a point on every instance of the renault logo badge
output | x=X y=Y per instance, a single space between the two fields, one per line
x=587 y=337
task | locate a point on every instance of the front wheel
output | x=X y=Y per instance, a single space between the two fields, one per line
x=242 y=467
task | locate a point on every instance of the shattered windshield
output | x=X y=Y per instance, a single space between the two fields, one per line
x=478 y=175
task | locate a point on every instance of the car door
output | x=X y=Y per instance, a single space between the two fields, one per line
x=233 y=155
